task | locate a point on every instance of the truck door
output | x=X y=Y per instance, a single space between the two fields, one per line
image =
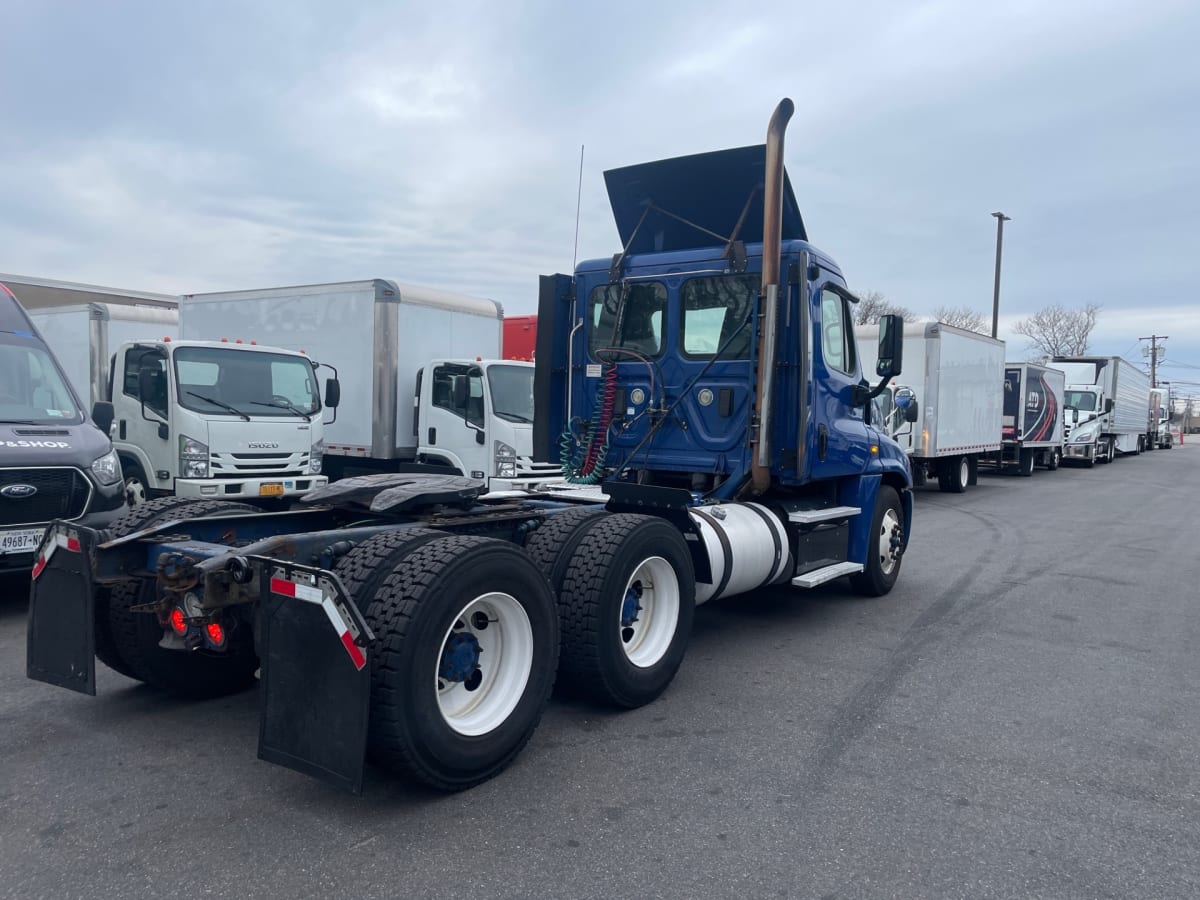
x=839 y=443
x=143 y=421
x=452 y=427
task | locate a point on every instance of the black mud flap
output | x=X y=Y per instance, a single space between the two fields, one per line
x=61 y=637
x=316 y=681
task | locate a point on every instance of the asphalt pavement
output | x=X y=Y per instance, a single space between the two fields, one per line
x=1018 y=718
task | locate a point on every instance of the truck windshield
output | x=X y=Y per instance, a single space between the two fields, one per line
x=1084 y=401
x=228 y=382
x=32 y=390
x=512 y=392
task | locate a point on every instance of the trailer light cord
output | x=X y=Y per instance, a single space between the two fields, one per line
x=583 y=457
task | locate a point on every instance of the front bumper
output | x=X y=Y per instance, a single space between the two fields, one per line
x=1079 y=451
x=249 y=488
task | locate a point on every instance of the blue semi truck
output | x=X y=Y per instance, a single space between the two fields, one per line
x=705 y=381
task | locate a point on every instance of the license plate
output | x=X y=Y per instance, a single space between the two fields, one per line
x=274 y=489
x=22 y=541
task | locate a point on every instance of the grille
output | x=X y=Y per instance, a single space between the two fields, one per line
x=61 y=494
x=248 y=465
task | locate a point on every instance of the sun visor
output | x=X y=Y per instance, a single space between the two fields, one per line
x=696 y=201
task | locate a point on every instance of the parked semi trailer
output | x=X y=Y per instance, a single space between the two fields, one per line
x=520 y=337
x=424 y=384
x=1106 y=399
x=1158 y=425
x=409 y=617
x=951 y=381
x=56 y=461
x=1033 y=417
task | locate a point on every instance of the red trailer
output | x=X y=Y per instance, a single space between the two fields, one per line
x=520 y=337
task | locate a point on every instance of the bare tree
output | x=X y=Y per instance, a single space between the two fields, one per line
x=871 y=306
x=1058 y=331
x=963 y=317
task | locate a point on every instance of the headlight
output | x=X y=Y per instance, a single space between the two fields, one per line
x=107 y=468
x=1085 y=438
x=193 y=458
x=315 y=455
x=506 y=460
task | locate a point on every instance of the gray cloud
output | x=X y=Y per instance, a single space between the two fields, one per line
x=221 y=145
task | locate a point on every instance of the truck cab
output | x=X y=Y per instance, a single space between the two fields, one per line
x=476 y=417
x=56 y=462
x=217 y=420
x=1083 y=426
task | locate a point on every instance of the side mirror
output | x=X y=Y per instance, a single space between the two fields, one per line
x=1074 y=416
x=891 y=346
x=333 y=393
x=462 y=392
x=479 y=436
x=1108 y=404
x=103 y=415
x=910 y=414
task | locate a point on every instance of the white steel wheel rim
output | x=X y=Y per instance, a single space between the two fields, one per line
x=655 y=586
x=135 y=491
x=505 y=661
x=964 y=472
x=888 y=527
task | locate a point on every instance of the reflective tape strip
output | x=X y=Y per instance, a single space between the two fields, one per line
x=315 y=595
x=59 y=540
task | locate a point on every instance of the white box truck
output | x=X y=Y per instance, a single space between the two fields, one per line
x=193 y=418
x=951 y=377
x=1033 y=417
x=1107 y=399
x=423 y=382
x=1158 y=425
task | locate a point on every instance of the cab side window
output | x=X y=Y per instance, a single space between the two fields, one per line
x=837 y=335
x=155 y=360
x=459 y=391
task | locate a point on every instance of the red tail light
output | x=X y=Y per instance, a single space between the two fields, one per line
x=177 y=620
x=215 y=634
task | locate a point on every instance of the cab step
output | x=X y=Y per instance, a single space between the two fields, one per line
x=820 y=576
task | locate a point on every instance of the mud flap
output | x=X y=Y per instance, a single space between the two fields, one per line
x=61 y=637
x=315 y=694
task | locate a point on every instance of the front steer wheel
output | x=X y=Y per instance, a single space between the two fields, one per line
x=627 y=600
x=885 y=550
x=463 y=662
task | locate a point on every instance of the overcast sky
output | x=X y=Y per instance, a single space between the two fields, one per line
x=187 y=147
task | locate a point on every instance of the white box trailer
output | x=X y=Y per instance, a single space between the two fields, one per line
x=84 y=338
x=954 y=377
x=1033 y=417
x=1107 y=399
x=382 y=336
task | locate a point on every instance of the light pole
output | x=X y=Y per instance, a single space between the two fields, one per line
x=1001 y=218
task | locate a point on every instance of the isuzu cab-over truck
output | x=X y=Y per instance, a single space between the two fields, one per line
x=710 y=388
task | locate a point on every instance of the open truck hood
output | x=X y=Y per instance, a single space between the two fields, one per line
x=708 y=190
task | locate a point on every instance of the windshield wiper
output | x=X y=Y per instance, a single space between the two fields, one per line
x=284 y=405
x=220 y=403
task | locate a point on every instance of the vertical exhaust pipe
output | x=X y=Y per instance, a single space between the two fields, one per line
x=760 y=467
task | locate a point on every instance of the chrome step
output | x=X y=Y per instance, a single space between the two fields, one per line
x=811 y=516
x=820 y=576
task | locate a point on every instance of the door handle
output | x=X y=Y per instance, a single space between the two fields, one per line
x=822 y=442
x=432 y=436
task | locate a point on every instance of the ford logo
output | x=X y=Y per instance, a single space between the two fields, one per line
x=18 y=491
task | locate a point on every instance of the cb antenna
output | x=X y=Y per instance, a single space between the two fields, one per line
x=578 y=198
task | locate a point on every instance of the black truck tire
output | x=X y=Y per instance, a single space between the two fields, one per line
x=1025 y=463
x=127 y=641
x=954 y=474
x=444 y=601
x=623 y=562
x=365 y=567
x=1054 y=458
x=551 y=546
x=882 y=567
